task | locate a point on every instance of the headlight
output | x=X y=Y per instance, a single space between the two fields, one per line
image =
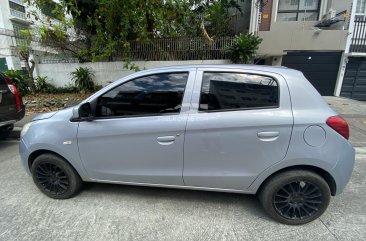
x=25 y=129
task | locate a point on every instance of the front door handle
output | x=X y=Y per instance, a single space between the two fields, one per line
x=166 y=140
x=268 y=135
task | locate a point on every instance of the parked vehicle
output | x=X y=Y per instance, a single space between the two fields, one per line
x=11 y=106
x=228 y=128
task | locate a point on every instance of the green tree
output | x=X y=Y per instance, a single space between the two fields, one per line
x=103 y=27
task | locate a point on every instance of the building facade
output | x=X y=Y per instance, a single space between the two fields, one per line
x=325 y=39
x=13 y=18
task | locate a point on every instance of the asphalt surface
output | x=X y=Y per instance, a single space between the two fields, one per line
x=117 y=212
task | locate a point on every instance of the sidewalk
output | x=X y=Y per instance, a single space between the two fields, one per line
x=352 y=110
x=355 y=113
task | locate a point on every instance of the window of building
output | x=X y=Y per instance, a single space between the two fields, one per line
x=247 y=91
x=361 y=7
x=16 y=6
x=20 y=39
x=298 y=10
x=150 y=95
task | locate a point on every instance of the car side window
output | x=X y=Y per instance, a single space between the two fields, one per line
x=148 y=95
x=230 y=91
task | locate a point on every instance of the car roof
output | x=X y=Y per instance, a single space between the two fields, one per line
x=275 y=69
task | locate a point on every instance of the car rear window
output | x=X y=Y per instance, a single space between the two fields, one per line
x=230 y=91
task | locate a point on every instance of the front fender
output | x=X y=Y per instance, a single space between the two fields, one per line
x=57 y=134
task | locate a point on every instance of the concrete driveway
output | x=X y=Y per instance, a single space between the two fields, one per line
x=115 y=212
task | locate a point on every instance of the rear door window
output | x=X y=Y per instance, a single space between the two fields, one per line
x=231 y=91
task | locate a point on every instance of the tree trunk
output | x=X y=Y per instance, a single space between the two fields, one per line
x=30 y=70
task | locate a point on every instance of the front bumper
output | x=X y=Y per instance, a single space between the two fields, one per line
x=24 y=153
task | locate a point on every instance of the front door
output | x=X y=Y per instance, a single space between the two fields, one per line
x=240 y=125
x=138 y=132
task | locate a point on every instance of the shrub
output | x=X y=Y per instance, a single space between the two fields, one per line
x=83 y=80
x=17 y=78
x=244 y=48
x=67 y=89
x=43 y=86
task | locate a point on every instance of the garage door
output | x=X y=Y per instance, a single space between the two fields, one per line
x=320 y=68
x=354 y=82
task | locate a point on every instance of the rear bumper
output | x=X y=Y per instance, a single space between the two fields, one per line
x=342 y=171
x=6 y=123
x=12 y=118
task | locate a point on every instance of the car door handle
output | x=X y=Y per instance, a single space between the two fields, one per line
x=165 y=140
x=268 y=135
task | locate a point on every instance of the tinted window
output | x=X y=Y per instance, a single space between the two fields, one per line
x=224 y=91
x=153 y=94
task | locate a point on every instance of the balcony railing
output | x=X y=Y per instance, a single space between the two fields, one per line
x=358 y=44
x=17 y=14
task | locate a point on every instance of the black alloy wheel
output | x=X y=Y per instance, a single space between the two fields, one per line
x=52 y=178
x=295 y=197
x=297 y=200
x=55 y=177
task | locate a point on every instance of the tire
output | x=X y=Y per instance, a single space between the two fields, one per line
x=55 y=177
x=295 y=197
x=5 y=132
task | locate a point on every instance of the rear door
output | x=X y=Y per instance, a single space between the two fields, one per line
x=7 y=101
x=239 y=125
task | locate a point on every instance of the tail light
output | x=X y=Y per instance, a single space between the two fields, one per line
x=338 y=124
x=15 y=92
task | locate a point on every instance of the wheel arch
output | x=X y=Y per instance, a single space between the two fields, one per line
x=324 y=174
x=37 y=153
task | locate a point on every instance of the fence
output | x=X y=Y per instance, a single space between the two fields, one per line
x=164 y=49
x=181 y=49
x=160 y=50
x=358 y=44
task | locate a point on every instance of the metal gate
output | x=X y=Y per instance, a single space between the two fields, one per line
x=354 y=82
x=3 y=65
x=320 y=68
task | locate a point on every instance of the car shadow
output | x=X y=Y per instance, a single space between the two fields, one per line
x=246 y=202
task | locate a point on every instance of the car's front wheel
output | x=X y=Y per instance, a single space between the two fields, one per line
x=55 y=177
x=295 y=197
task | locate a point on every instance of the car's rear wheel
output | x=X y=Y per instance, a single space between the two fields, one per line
x=5 y=131
x=295 y=197
x=55 y=177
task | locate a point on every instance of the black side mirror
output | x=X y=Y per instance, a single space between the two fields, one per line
x=85 y=112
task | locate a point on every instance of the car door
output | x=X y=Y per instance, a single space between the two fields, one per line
x=240 y=123
x=137 y=134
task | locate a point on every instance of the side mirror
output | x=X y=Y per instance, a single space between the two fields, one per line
x=85 y=112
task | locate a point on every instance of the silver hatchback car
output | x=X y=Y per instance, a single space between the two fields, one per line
x=228 y=128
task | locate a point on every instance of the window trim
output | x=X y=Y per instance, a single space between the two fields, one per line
x=238 y=109
x=318 y=10
x=360 y=14
x=95 y=100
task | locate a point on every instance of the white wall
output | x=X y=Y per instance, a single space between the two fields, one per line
x=106 y=72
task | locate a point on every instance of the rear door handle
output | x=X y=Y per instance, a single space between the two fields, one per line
x=166 y=140
x=268 y=135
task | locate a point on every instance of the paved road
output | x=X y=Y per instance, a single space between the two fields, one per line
x=114 y=212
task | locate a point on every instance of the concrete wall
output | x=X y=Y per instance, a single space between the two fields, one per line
x=106 y=72
x=300 y=35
